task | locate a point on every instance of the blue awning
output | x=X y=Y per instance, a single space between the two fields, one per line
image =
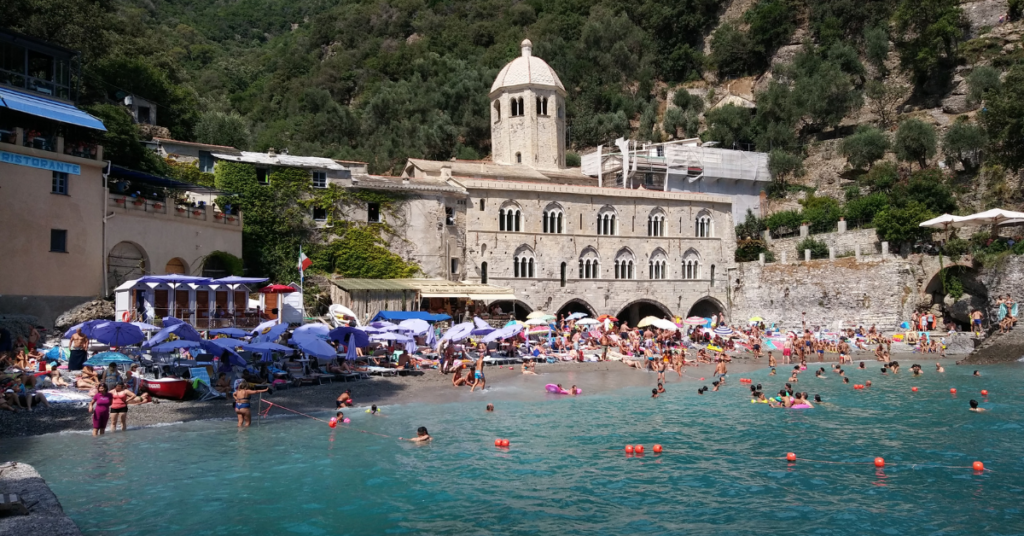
x=406 y=315
x=50 y=109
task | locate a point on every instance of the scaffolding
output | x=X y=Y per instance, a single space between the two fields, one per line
x=683 y=157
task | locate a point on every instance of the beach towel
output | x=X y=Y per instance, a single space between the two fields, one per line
x=65 y=396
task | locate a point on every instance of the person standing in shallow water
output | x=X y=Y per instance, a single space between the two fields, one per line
x=99 y=407
x=242 y=405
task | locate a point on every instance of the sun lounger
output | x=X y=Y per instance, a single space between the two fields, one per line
x=383 y=371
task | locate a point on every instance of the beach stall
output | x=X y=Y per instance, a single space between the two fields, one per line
x=461 y=301
x=202 y=302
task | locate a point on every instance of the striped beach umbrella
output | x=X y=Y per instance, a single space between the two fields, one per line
x=724 y=331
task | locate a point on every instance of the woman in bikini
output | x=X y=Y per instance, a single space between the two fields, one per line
x=242 y=408
x=119 y=406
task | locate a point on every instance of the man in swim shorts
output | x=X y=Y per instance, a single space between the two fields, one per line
x=345 y=399
x=478 y=375
x=976 y=317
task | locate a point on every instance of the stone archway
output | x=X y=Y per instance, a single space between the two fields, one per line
x=575 y=305
x=516 y=308
x=636 y=310
x=706 y=307
x=952 y=292
x=126 y=261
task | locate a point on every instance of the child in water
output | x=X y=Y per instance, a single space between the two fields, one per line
x=974 y=406
x=373 y=410
x=654 y=393
x=661 y=388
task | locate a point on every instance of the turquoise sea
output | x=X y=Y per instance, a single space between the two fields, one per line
x=566 y=471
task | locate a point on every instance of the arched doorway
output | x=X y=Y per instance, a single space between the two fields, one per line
x=706 y=307
x=575 y=306
x=516 y=308
x=176 y=266
x=125 y=261
x=214 y=267
x=633 y=312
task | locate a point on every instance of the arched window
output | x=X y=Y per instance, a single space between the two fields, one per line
x=563 y=274
x=497 y=111
x=656 y=223
x=544 y=106
x=606 y=222
x=553 y=218
x=483 y=273
x=658 y=265
x=519 y=158
x=625 y=263
x=523 y=263
x=590 y=264
x=691 y=264
x=522 y=109
x=704 y=225
x=510 y=217
x=712 y=274
x=515 y=108
x=538 y=106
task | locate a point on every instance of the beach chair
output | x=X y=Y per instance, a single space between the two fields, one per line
x=202 y=384
x=298 y=372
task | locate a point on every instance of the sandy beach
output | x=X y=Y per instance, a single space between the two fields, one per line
x=426 y=387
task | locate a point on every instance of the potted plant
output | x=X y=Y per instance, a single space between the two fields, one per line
x=197 y=212
x=231 y=218
x=119 y=200
x=219 y=215
x=158 y=205
x=139 y=202
x=180 y=209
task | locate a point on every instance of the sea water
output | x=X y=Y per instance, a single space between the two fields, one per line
x=565 y=472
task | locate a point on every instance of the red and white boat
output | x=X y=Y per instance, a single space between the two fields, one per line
x=173 y=388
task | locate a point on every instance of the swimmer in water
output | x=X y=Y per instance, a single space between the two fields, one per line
x=974 y=406
x=916 y=369
x=421 y=435
x=715 y=385
x=817 y=399
x=340 y=416
x=772 y=373
x=700 y=391
x=661 y=388
x=490 y=407
x=846 y=380
x=977 y=373
x=574 y=391
x=867 y=384
x=654 y=393
x=938 y=368
x=771 y=360
x=793 y=379
x=861 y=366
x=885 y=372
x=373 y=410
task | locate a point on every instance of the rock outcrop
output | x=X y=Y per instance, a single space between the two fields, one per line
x=93 y=310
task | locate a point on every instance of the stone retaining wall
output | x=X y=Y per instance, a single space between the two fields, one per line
x=46 y=516
x=845 y=243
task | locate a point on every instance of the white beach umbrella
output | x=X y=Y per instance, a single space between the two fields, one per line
x=537 y=322
x=996 y=216
x=536 y=314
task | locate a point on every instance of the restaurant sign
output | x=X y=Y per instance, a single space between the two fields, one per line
x=39 y=163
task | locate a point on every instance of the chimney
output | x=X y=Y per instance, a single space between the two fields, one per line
x=446 y=172
x=271 y=153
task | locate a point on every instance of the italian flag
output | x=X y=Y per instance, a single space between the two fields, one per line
x=304 y=262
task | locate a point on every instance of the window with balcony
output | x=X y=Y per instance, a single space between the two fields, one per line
x=35 y=67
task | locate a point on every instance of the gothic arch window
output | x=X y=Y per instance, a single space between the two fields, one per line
x=510 y=217
x=497 y=111
x=691 y=264
x=625 y=264
x=554 y=218
x=524 y=263
x=657 y=266
x=522 y=109
x=515 y=107
x=704 y=225
x=538 y=106
x=519 y=158
x=590 y=264
x=607 y=223
x=712 y=274
x=564 y=270
x=483 y=273
x=656 y=223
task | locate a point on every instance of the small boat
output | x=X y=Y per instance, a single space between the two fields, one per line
x=173 y=388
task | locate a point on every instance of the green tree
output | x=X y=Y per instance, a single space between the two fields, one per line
x=728 y=125
x=861 y=211
x=964 y=142
x=732 y=53
x=881 y=177
x=927 y=187
x=886 y=99
x=218 y=128
x=983 y=78
x=822 y=213
x=771 y=23
x=832 y=21
x=876 y=48
x=1003 y=119
x=822 y=89
x=865 y=147
x=899 y=225
x=783 y=166
x=928 y=33
x=915 y=142
x=819 y=249
x=177 y=104
x=775 y=121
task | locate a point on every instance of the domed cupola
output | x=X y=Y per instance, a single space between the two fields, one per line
x=528 y=113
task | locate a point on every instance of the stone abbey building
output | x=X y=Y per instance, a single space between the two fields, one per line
x=637 y=231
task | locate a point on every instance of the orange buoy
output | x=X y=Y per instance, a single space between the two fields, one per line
x=984 y=392
x=914 y=389
x=504 y=442
x=333 y=422
x=639 y=449
x=656 y=448
x=879 y=462
x=702 y=379
x=790 y=457
x=978 y=466
x=953 y=391
x=629 y=449
x=497 y=442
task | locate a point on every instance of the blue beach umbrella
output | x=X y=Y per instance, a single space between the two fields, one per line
x=86 y=328
x=216 y=350
x=228 y=343
x=267 y=347
x=56 y=353
x=315 y=347
x=117 y=334
x=182 y=331
x=230 y=332
x=104 y=359
x=350 y=336
x=172 y=321
x=319 y=331
x=145 y=327
x=268 y=331
x=174 y=345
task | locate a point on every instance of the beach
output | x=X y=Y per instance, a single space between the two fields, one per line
x=428 y=386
